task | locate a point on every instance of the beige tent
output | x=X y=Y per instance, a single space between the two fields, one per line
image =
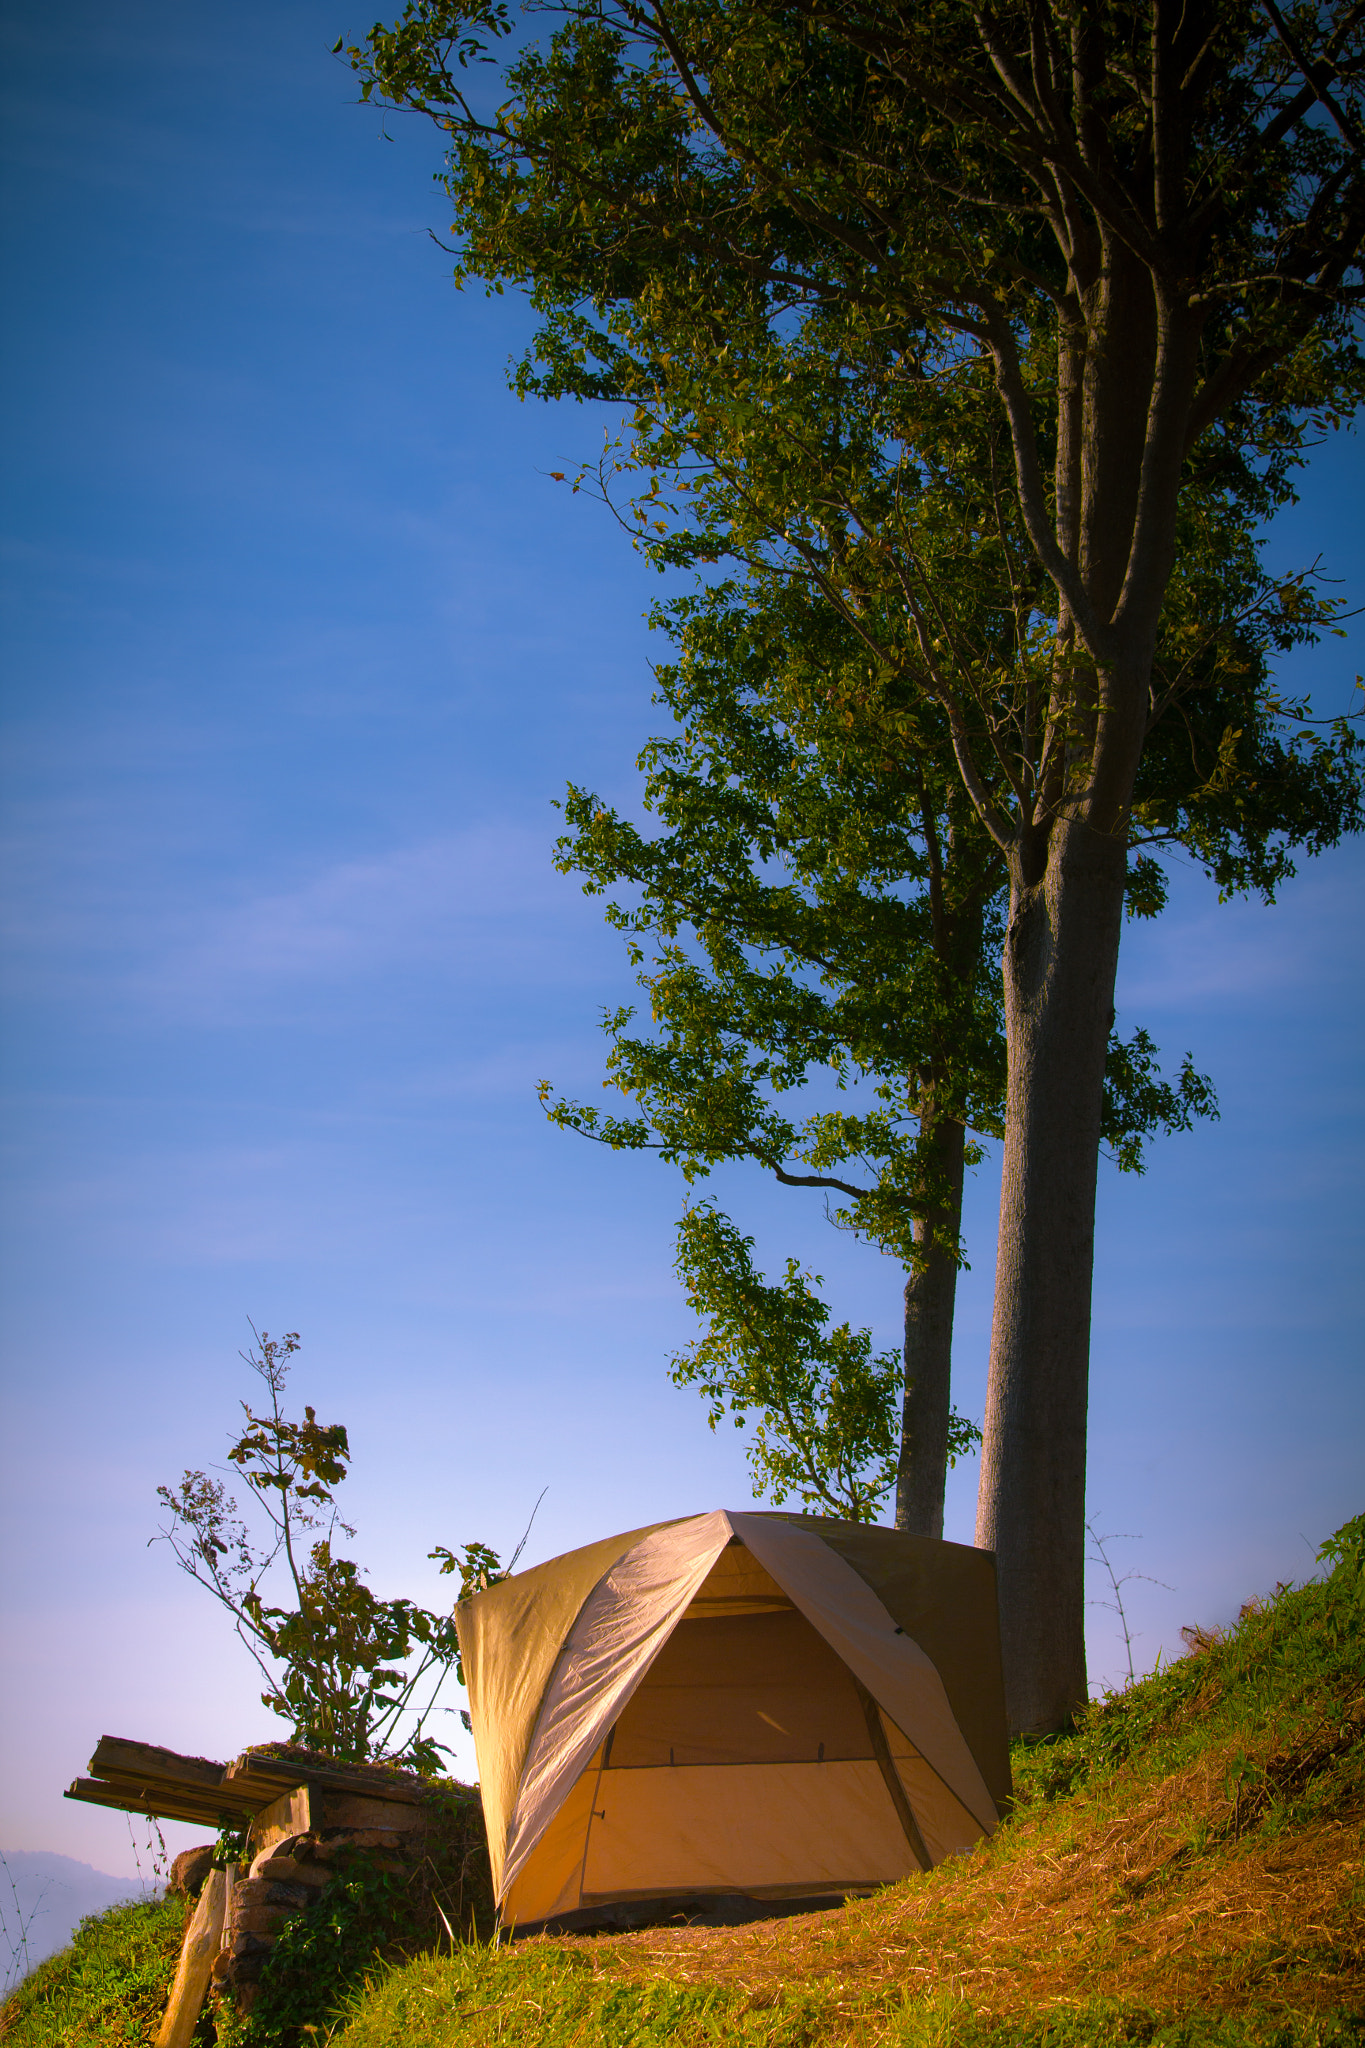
x=775 y=1706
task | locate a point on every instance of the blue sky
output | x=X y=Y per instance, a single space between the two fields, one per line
x=300 y=642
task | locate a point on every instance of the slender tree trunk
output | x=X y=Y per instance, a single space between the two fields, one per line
x=930 y=1293
x=1061 y=955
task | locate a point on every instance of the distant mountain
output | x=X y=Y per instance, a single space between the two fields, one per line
x=45 y=1897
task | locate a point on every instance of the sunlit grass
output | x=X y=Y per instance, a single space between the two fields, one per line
x=1184 y=1868
x=1182 y=1871
x=109 y=1986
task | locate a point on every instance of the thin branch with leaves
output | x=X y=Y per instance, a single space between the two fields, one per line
x=356 y=1677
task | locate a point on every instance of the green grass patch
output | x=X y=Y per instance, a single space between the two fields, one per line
x=547 y=1994
x=110 y=1986
x=544 y=1997
x=1292 y=1669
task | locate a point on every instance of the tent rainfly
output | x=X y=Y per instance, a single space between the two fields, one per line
x=772 y=1707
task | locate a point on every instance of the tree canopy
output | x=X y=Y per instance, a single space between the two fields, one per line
x=1041 y=296
x=810 y=912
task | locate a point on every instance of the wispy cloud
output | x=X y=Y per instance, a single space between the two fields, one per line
x=474 y=897
x=479 y=906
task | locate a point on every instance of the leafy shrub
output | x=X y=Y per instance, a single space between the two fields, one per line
x=355 y=1676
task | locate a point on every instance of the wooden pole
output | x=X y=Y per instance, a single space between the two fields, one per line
x=203 y=1938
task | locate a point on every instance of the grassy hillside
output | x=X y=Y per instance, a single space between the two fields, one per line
x=109 y=1987
x=1187 y=1866
x=48 y=1896
x=1184 y=1869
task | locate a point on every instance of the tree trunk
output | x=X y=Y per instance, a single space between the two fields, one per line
x=930 y=1293
x=1060 y=959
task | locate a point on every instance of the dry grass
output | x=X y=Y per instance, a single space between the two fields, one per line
x=1185 y=1867
x=1182 y=1871
x=1157 y=1895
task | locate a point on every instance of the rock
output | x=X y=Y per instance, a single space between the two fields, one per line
x=285 y=1870
x=238 y=1968
x=260 y=1907
x=332 y=1842
x=190 y=1869
x=291 y=1849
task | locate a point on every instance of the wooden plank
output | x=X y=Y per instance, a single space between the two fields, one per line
x=203 y=1939
x=290 y=1814
x=115 y=1756
x=162 y=1802
x=277 y=1773
x=198 y=1795
x=140 y=1777
x=264 y=1786
x=210 y=1798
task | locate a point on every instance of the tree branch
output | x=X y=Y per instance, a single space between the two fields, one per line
x=815 y=1180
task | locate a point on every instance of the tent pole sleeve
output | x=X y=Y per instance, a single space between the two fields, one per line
x=881 y=1750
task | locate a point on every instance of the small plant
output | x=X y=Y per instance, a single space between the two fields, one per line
x=1117 y=1581
x=478 y=1568
x=355 y=1676
x=1345 y=1552
x=230 y=1849
x=157 y=1854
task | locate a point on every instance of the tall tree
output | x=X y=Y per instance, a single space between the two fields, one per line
x=816 y=908
x=1125 y=239
x=842 y=911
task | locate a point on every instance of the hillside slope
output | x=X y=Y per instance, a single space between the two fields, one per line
x=1185 y=1869
x=1190 y=1859
x=44 y=1897
x=110 y=1986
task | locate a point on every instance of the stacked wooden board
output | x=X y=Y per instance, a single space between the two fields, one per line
x=138 y=1777
x=298 y=1811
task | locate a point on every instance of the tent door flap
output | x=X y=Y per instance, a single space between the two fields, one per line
x=881 y=1750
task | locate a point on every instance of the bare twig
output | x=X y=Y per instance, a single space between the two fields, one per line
x=1118 y=1581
